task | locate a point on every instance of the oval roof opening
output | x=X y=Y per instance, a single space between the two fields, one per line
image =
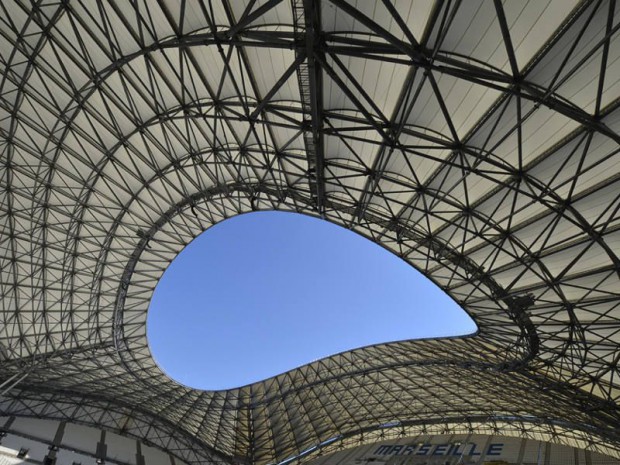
x=263 y=293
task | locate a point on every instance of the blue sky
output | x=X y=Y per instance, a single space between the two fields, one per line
x=265 y=292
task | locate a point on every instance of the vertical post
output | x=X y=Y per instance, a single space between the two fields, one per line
x=50 y=458
x=102 y=449
x=521 y=451
x=139 y=456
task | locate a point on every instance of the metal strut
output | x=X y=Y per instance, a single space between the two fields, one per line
x=307 y=17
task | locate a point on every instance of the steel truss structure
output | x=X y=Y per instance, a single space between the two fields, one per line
x=479 y=141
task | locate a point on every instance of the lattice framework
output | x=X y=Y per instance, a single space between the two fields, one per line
x=476 y=140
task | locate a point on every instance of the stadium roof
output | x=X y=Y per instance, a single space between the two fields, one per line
x=477 y=140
